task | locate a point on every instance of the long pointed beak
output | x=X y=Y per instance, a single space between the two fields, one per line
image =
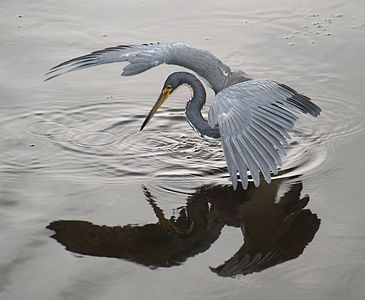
x=166 y=92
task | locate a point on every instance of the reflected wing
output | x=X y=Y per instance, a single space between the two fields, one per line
x=289 y=245
x=147 y=56
x=254 y=118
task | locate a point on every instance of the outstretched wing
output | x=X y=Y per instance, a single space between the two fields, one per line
x=147 y=56
x=254 y=118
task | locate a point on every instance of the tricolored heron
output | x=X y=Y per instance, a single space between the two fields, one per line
x=251 y=117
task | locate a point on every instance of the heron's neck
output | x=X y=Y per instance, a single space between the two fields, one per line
x=194 y=106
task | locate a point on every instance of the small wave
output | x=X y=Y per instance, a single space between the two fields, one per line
x=103 y=140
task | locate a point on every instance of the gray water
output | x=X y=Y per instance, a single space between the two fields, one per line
x=135 y=215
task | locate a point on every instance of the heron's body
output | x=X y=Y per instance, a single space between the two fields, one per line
x=251 y=117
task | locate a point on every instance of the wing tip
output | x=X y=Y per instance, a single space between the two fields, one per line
x=50 y=77
x=302 y=102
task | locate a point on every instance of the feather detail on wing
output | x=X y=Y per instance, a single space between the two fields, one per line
x=254 y=119
x=146 y=56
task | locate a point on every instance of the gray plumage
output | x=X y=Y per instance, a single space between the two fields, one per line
x=252 y=117
x=147 y=56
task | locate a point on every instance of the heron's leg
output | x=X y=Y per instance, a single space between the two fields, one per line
x=212 y=216
x=167 y=225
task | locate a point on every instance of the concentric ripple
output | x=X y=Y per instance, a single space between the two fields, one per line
x=103 y=140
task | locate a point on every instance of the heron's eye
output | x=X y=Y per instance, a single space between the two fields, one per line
x=168 y=88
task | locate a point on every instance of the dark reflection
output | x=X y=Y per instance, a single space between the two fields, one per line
x=275 y=229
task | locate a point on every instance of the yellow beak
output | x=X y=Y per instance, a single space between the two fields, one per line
x=166 y=92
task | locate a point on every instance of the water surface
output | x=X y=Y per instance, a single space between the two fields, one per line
x=152 y=214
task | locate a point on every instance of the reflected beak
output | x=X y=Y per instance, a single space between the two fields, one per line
x=166 y=92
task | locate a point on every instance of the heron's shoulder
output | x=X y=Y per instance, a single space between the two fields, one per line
x=244 y=90
x=236 y=77
x=244 y=83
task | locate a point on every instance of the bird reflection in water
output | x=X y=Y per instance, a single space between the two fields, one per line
x=275 y=229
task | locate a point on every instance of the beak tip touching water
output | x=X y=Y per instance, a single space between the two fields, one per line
x=143 y=125
x=163 y=97
x=148 y=118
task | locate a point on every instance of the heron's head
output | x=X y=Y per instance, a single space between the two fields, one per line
x=171 y=83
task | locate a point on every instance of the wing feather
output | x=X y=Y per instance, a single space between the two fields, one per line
x=241 y=160
x=146 y=56
x=271 y=135
x=254 y=118
x=258 y=152
x=274 y=119
x=271 y=155
x=231 y=165
x=253 y=164
x=272 y=123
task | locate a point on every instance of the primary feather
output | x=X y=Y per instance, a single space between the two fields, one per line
x=254 y=118
x=146 y=56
